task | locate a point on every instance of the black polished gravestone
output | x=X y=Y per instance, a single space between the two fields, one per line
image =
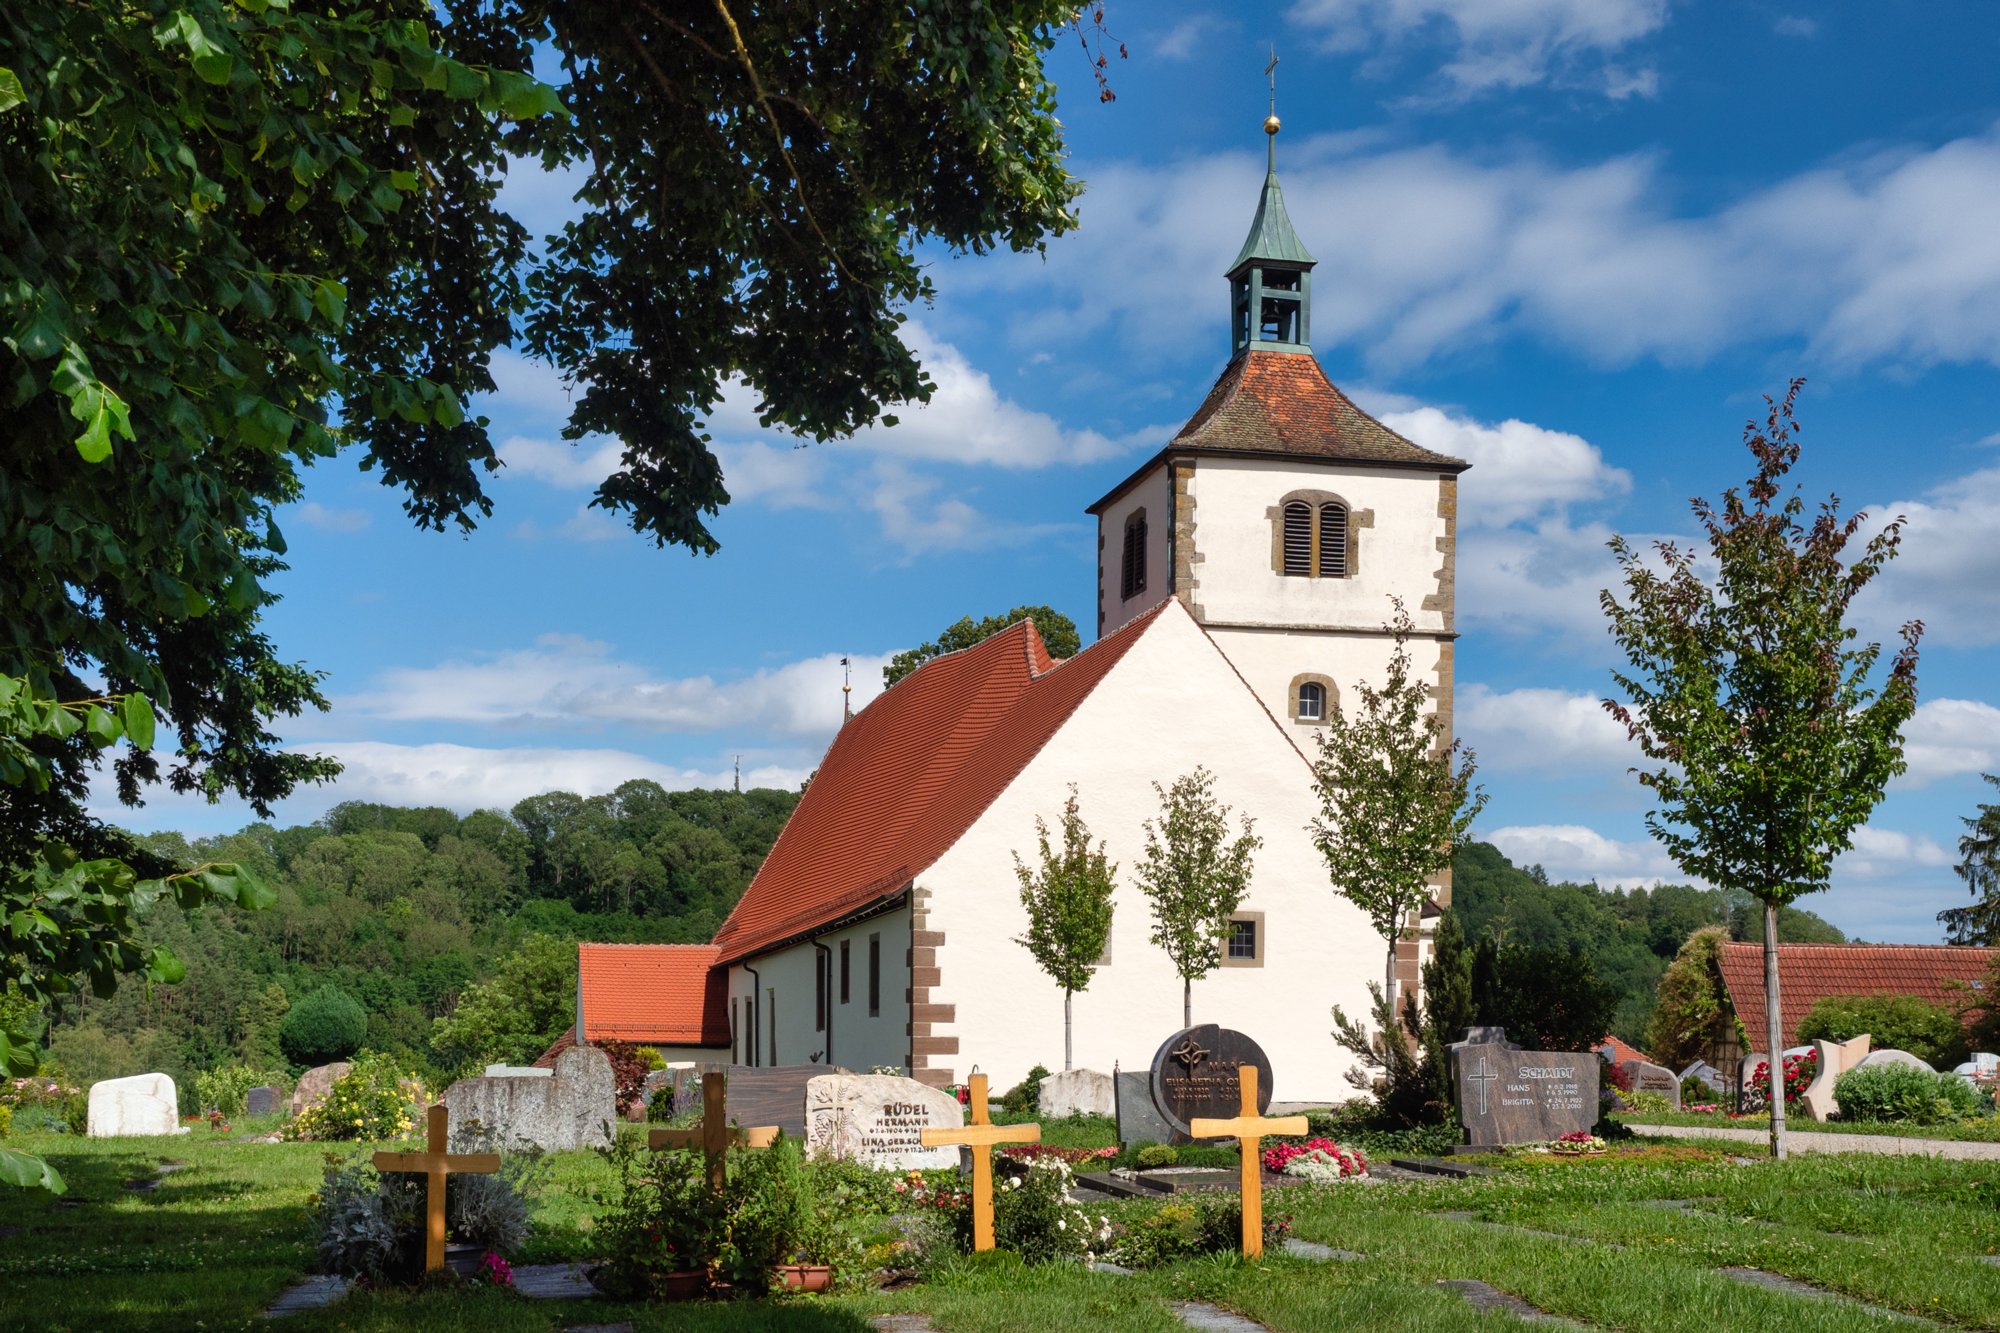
x=1508 y=1095
x=1194 y=1076
x=263 y=1101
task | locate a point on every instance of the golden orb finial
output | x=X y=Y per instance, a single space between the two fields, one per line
x=1270 y=124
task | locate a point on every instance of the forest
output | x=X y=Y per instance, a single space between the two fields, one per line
x=446 y=940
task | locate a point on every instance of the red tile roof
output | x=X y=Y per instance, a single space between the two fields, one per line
x=547 y=1059
x=1283 y=402
x=1622 y=1051
x=908 y=776
x=670 y=993
x=1808 y=973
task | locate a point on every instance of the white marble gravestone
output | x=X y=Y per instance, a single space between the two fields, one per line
x=141 y=1104
x=877 y=1119
x=1077 y=1092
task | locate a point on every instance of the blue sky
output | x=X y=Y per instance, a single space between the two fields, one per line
x=1571 y=240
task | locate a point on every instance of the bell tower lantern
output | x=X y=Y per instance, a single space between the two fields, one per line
x=1270 y=284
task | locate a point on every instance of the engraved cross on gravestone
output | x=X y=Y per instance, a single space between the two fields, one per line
x=1483 y=1077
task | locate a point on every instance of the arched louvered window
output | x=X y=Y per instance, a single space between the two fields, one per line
x=1132 y=575
x=1298 y=538
x=1333 y=541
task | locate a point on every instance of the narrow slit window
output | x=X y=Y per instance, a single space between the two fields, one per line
x=820 y=980
x=771 y=1005
x=843 y=971
x=1333 y=541
x=874 y=975
x=1298 y=538
x=1132 y=577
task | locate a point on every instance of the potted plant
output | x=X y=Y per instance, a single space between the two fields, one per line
x=780 y=1231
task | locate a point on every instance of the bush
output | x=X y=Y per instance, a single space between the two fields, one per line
x=46 y=1104
x=369 y=1226
x=373 y=1101
x=1914 y=1096
x=6 y=1119
x=1156 y=1154
x=1931 y=1032
x=628 y=1072
x=1035 y=1216
x=1694 y=1090
x=1026 y=1095
x=1799 y=1071
x=325 y=1026
x=224 y=1089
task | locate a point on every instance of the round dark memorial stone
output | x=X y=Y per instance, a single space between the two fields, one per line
x=1194 y=1075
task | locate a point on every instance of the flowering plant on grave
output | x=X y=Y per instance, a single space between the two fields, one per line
x=495 y=1270
x=1074 y=1156
x=373 y=1101
x=1578 y=1143
x=1799 y=1072
x=1036 y=1216
x=1329 y=1161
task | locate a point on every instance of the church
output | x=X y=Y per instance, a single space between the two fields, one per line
x=1245 y=574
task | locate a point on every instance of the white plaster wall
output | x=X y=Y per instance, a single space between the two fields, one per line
x=1154 y=493
x=1232 y=531
x=859 y=1041
x=1271 y=659
x=1172 y=703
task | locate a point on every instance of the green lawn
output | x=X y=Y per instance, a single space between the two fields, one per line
x=219 y=1239
x=1983 y=1130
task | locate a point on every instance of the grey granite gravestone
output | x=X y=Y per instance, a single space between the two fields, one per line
x=1195 y=1075
x=1139 y=1121
x=263 y=1101
x=1508 y=1095
x=1649 y=1077
x=575 y=1108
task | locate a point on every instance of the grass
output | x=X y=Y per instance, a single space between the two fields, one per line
x=1983 y=1130
x=222 y=1237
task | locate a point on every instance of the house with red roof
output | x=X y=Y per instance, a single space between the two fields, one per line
x=1246 y=572
x=1944 y=974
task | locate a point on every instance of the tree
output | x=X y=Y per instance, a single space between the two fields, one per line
x=325 y=1025
x=1068 y=901
x=513 y=1016
x=1979 y=867
x=223 y=223
x=1058 y=633
x=1773 y=744
x=1396 y=797
x=1195 y=876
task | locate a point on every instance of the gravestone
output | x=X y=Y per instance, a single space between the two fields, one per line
x=879 y=1120
x=518 y=1071
x=315 y=1083
x=1508 y=1095
x=1649 y=1077
x=1892 y=1057
x=127 y=1107
x=263 y=1101
x=1139 y=1121
x=1195 y=1075
x=1835 y=1059
x=1708 y=1075
x=1076 y=1092
x=574 y=1108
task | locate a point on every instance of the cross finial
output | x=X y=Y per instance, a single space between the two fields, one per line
x=1271 y=121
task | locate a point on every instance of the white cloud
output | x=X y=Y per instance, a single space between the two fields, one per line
x=1522 y=729
x=918 y=519
x=570 y=682
x=564 y=464
x=1795 y=25
x=316 y=515
x=1947 y=573
x=776 y=475
x=1495 y=44
x=1574 y=852
x=1425 y=251
x=1519 y=470
x=1186 y=39
x=1951 y=738
x=1885 y=854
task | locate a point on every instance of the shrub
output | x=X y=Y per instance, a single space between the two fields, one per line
x=1916 y=1096
x=1036 y=1217
x=369 y=1225
x=327 y=1025
x=1156 y=1154
x=6 y=1119
x=46 y=1104
x=1218 y=1224
x=224 y=1089
x=1691 y=1000
x=628 y=1072
x=1799 y=1071
x=1694 y=1090
x=373 y=1101
x=1931 y=1032
x=1027 y=1094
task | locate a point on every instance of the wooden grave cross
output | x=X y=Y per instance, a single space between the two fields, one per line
x=713 y=1134
x=1247 y=1128
x=981 y=1136
x=436 y=1163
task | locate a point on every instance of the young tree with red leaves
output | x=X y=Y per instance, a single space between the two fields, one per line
x=1773 y=738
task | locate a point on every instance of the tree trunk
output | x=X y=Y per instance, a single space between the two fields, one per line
x=1066 y=1012
x=1187 y=1003
x=1774 y=1032
x=1389 y=988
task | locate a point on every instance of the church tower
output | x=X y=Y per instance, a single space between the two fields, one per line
x=1284 y=517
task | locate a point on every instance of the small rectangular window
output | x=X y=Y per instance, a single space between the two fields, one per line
x=1244 y=945
x=1104 y=959
x=820 y=982
x=843 y=971
x=874 y=976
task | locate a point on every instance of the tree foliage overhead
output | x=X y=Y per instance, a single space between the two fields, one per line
x=1058 y=633
x=1979 y=867
x=239 y=237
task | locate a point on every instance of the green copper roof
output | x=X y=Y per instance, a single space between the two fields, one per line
x=1271 y=236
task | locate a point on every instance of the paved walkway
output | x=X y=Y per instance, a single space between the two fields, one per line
x=1821 y=1141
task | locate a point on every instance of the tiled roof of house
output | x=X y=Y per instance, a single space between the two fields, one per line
x=1282 y=402
x=670 y=993
x=1808 y=973
x=909 y=774
x=547 y=1059
x=1621 y=1051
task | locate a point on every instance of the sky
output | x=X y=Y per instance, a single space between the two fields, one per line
x=1571 y=241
